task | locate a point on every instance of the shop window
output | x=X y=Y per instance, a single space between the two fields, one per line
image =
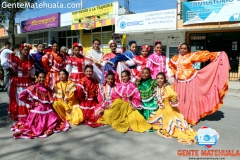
x=106 y=37
x=97 y=36
x=74 y=32
x=36 y=36
x=64 y=34
x=60 y=34
x=231 y=36
x=69 y=33
x=173 y=51
x=41 y=35
x=30 y=36
x=45 y=34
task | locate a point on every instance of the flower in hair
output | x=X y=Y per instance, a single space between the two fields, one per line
x=112 y=42
x=146 y=47
x=90 y=65
x=26 y=45
x=157 y=41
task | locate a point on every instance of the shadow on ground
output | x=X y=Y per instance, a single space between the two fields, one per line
x=217 y=116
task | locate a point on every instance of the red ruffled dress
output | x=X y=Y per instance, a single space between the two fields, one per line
x=75 y=68
x=141 y=62
x=87 y=90
x=41 y=121
x=52 y=62
x=200 y=92
x=25 y=73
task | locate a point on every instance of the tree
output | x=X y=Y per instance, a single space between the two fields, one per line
x=8 y=11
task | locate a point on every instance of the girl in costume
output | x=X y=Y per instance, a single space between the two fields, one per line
x=105 y=92
x=156 y=61
x=87 y=89
x=53 y=62
x=66 y=103
x=201 y=92
x=107 y=57
x=140 y=61
x=41 y=121
x=75 y=64
x=167 y=120
x=146 y=87
x=22 y=77
x=37 y=58
x=123 y=114
x=94 y=57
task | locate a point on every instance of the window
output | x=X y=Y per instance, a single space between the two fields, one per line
x=104 y=38
x=36 y=38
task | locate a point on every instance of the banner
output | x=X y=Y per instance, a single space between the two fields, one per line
x=211 y=11
x=145 y=22
x=44 y=22
x=87 y=18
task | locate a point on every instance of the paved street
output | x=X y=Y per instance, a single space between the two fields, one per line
x=104 y=143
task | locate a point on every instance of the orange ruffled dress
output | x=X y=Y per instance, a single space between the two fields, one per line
x=200 y=93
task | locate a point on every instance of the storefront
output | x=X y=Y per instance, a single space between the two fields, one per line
x=222 y=34
x=146 y=28
x=95 y=22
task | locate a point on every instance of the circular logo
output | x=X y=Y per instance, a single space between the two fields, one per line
x=123 y=25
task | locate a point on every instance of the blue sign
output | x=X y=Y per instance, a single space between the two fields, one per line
x=207 y=11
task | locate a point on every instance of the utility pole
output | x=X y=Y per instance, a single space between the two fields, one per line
x=81 y=1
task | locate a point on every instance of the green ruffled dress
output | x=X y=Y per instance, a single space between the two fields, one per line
x=146 y=88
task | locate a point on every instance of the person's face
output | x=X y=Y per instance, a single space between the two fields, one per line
x=160 y=80
x=125 y=77
x=8 y=46
x=25 y=51
x=41 y=78
x=133 y=47
x=62 y=76
x=55 y=47
x=113 y=47
x=183 y=49
x=40 y=48
x=158 y=49
x=76 y=51
x=96 y=45
x=145 y=74
x=144 y=52
x=88 y=72
x=110 y=80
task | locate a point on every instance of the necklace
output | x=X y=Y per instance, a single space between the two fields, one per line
x=160 y=95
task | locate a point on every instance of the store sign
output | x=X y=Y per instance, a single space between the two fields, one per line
x=149 y=21
x=44 y=22
x=87 y=18
x=206 y=11
x=198 y=38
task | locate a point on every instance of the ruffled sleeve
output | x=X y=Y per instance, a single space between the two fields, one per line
x=172 y=95
x=71 y=97
x=136 y=99
x=81 y=93
x=203 y=56
x=69 y=66
x=11 y=62
x=26 y=97
x=45 y=60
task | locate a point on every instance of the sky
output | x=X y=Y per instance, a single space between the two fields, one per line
x=136 y=6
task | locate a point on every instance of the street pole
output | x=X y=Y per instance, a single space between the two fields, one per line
x=81 y=4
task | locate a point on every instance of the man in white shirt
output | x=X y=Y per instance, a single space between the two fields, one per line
x=4 y=54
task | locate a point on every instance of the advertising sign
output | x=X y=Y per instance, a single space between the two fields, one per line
x=87 y=18
x=148 y=21
x=206 y=11
x=44 y=22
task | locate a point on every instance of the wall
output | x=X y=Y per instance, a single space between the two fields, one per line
x=66 y=19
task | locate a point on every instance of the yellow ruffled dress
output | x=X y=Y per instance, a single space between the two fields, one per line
x=66 y=100
x=167 y=120
x=121 y=116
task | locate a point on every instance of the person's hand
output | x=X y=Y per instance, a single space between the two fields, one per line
x=125 y=63
x=55 y=89
x=68 y=111
x=108 y=107
x=36 y=104
x=133 y=108
x=98 y=64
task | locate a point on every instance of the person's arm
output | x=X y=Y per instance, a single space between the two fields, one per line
x=173 y=96
x=203 y=56
x=26 y=98
x=45 y=62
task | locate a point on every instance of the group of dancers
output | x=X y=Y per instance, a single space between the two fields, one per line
x=49 y=91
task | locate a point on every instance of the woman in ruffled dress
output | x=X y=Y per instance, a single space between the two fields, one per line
x=75 y=64
x=41 y=121
x=200 y=93
x=167 y=120
x=157 y=61
x=105 y=92
x=94 y=57
x=65 y=102
x=87 y=89
x=53 y=62
x=123 y=114
x=22 y=77
x=37 y=58
x=146 y=88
